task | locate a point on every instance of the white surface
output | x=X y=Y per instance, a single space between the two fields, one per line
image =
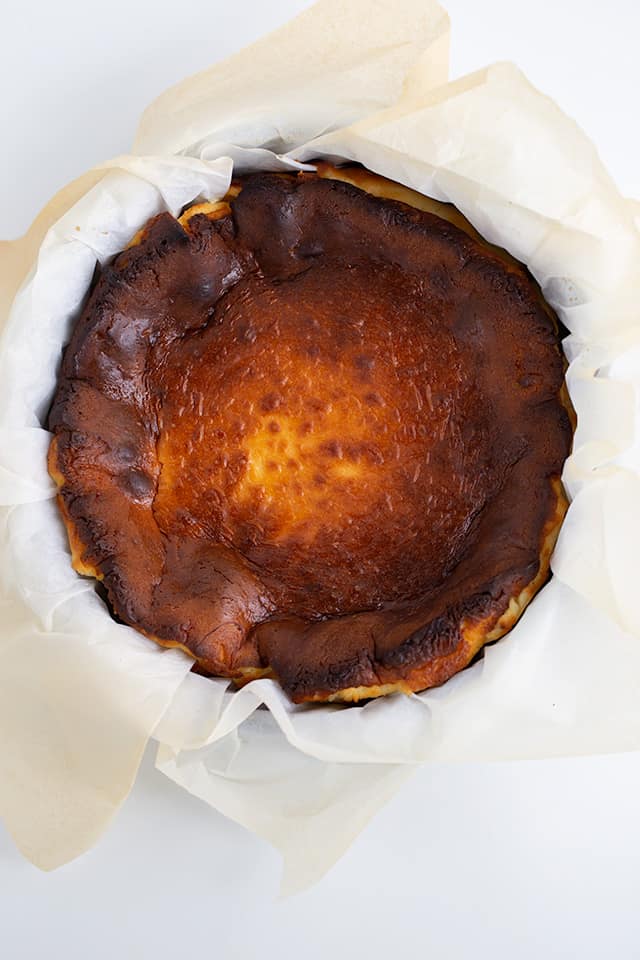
x=517 y=860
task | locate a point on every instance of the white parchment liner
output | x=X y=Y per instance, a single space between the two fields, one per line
x=80 y=695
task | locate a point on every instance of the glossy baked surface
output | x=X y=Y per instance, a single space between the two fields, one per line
x=316 y=434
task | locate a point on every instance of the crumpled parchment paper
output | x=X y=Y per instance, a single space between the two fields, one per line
x=81 y=695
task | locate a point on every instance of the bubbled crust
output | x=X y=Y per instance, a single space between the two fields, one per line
x=316 y=434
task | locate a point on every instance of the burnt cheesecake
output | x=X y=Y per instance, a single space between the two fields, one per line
x=315 y=432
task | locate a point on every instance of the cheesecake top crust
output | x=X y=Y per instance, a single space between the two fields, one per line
x=314 y=432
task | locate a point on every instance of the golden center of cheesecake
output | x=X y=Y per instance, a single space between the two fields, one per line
x=318 y=419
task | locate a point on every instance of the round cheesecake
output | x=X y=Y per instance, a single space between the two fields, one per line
x=314 y=432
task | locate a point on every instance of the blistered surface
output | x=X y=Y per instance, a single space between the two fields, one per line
x=320 y=405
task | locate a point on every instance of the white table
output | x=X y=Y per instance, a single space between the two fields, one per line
x=527 y=861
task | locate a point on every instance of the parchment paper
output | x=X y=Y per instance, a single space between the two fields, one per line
x=80 y=695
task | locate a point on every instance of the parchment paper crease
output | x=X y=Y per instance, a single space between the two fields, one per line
x=80 y=695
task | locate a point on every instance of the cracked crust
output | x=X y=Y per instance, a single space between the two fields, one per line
x=314 y=431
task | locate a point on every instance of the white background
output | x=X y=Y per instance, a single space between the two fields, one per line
x=531 y=861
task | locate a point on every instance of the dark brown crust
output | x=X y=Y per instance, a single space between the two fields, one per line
x=313 y=597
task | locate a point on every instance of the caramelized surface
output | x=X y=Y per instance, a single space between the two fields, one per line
x=328 y=461
x=313 y=433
